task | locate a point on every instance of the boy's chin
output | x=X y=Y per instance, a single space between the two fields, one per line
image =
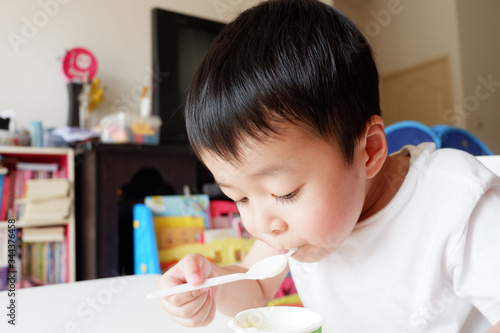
x=309 y=254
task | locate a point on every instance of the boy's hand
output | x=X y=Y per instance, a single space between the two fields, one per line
x=194 y=308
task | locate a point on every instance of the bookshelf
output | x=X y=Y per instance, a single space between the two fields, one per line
x=62 y=162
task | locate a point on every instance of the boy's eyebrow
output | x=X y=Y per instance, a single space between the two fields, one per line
x=224 y=185
x=270 y=170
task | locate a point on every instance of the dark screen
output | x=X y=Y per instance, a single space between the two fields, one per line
x=180 y=43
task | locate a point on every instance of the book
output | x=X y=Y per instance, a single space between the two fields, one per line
x=3 y=174
x=18 y=255
x=43 y=234
x=59 y=263
x=4 y=237
x=19 y=187
x=47 y=188
x=55 y=209
x=49 y=167
x=5 y=198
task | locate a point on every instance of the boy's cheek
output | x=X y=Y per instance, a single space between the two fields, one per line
x=250 y=227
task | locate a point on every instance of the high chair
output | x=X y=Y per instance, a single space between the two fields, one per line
x=409 y=132
x=458 y=138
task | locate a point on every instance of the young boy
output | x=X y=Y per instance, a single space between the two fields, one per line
x=284 y=111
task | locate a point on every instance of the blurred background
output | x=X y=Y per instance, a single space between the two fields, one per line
x=438 y=60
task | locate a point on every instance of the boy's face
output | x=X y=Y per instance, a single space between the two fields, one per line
x=295 y=190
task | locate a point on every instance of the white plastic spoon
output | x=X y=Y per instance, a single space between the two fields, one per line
x=262 y=269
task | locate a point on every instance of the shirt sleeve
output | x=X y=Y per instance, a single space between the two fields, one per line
x=476 y=277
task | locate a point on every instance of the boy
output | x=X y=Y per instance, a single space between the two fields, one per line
x=284 y=111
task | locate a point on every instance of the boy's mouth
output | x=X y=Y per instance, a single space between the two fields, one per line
x=287 y=251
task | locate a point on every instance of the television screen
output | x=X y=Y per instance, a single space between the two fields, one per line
x=179 y=44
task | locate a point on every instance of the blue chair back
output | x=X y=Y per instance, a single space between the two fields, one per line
x=409 y=132
x=458 y=138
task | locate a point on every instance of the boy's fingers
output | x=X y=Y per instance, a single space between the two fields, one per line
x=190 y=269
x=184 y=298
x=197 y=312
x=185 y=304
x=194 y=308
x=195 y=269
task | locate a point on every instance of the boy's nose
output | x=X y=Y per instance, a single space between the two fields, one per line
x=278 y=226
x=270 y=224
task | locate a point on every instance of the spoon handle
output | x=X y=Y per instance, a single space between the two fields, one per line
x=182 y=288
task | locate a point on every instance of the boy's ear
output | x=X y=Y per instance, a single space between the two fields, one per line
x=375 y=146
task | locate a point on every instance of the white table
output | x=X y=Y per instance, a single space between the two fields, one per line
x=104 y=305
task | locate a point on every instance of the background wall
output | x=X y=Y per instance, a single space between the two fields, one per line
x=117 y=32
x=402 y=33
x=35 y=35
x=479 y=33
x=407 y=32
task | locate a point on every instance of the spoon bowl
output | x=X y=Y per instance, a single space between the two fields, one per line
x=267 y=267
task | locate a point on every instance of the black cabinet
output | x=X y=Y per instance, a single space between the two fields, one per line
x=103 y=231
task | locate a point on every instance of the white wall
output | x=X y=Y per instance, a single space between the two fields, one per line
x=406 y=32
x=118 y=33
x=479 y=32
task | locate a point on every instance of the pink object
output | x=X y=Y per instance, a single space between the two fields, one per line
x=222 y=207
x=79 y=65
x=222 y=213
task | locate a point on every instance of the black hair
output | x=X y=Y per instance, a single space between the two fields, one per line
x=283 y=60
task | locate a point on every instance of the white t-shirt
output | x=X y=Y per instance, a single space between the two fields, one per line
x=427 y=262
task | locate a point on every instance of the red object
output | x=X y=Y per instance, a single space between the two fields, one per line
x=138 y=138
x=287 y=288
x=5 y=198
x=79 y=65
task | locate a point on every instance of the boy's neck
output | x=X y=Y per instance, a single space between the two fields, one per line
x=384 y=186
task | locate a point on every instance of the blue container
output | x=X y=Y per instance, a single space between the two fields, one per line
x=36 y=134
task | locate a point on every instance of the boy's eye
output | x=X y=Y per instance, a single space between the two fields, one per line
x=288 y=198
x=241 y=201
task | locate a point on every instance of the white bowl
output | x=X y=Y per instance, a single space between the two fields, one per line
x=283 y=319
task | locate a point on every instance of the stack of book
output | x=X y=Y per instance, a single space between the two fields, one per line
x=46 y=200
